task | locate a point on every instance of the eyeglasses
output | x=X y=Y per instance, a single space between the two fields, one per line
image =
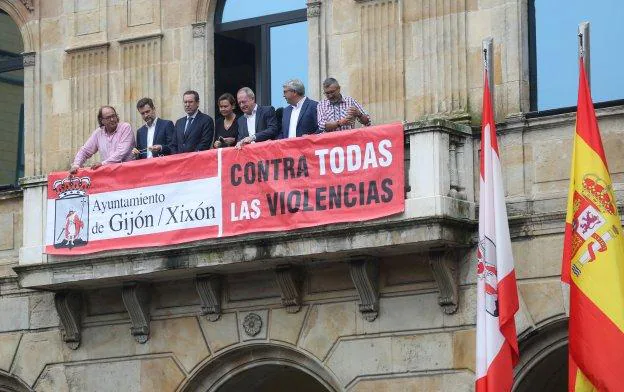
x=113 y=116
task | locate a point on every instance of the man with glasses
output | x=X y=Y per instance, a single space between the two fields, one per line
x=113 y=140
x=299 y=116
x=339 y=112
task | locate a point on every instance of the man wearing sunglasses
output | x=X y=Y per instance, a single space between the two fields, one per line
x=113 y=140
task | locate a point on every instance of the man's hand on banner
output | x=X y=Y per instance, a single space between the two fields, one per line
x=246 y=140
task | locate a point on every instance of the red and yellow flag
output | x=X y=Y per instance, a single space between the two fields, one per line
x=593 y=260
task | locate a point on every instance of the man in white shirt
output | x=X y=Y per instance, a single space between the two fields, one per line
x=153 y=138
x=258 y=123
x=299 y=116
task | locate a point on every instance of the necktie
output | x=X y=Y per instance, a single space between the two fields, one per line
x=189 y=121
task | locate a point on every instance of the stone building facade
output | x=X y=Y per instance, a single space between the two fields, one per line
x=386 y=305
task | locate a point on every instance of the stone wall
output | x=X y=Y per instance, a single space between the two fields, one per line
x=412 y=344
x=404 y=60
x=10 y=232
x=97 y=53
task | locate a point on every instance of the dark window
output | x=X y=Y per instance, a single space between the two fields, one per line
x=260 y=44
x=554 y=50
x=11 y=103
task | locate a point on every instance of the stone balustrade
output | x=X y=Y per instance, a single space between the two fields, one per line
x=439 y=211
x=439 y=220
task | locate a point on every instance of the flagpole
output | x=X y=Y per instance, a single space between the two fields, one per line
x=488 y=63
x=497 y=294
x=583 y=49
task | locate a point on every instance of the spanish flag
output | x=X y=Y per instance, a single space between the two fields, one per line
x=593 y=260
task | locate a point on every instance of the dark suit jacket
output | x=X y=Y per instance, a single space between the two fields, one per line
x=162 y=135
x=266 y=124
x=306 y=123
x=199 y=135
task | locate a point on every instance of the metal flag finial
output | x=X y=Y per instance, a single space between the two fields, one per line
x=583 y=48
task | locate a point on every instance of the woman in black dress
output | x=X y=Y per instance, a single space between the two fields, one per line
x=226 y=127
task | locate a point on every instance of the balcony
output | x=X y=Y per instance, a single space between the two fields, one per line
x=439 y=221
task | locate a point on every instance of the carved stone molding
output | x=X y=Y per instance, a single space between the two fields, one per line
x=365 y=275
x=199 y=30
x=209 y=290
x=136 y=300
x=289 y=282
x=252 y=324
x=68 y=306
x=314 y=9
x=29 y=59
x=444 y=267
x=29 y=5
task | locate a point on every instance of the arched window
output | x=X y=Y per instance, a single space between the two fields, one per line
x=11 y=103
x=260 y=44
x=553 y=41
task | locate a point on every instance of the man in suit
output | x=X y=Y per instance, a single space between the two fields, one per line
x=153 y=138
x=299 y=116
x=258 y=123
x=195 y=131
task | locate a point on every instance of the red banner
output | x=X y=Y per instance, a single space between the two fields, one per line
x=271 y=186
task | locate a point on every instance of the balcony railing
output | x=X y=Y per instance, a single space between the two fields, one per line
x=439 y=219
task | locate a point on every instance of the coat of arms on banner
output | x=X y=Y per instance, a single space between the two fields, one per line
x=71 y=212
x=486 y=270
x=592 y=231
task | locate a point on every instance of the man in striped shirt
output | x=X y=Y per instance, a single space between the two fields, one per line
x=339 y=112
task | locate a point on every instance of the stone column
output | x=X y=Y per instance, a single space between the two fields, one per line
x=381 y=75
x=315 y=39
x=89 y=86
x=32 y=129
x=35 y=197
x=141 y=61
x=202 y=65
x=436 y=171
x=436 y=59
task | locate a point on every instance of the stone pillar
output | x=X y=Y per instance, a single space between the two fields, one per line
x=437 y=169
x=381 y=76
x=35 y=197
x=316 y=72
x=202 y=65
x=142 y=77
x=89 y=84
x=32 y=129
x=436 y=69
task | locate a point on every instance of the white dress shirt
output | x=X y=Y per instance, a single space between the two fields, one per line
x=294 y=117
x=251 y=121
x=150 y=137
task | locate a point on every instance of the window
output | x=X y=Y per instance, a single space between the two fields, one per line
x=260 y=44
x=11 y=103
x=554 y=50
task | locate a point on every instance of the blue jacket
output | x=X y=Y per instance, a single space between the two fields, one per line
x=162 y=135
x=306 y=123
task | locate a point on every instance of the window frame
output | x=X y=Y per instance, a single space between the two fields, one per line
x=265 y=23
x=15 y=62
x=533 y=71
